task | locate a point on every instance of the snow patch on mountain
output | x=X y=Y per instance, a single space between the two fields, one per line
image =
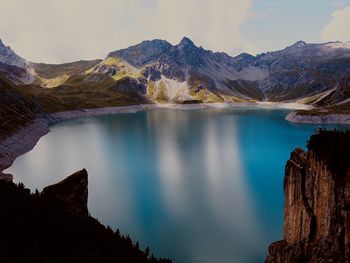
x=173 y=89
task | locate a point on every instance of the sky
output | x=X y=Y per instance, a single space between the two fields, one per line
x=57 y=31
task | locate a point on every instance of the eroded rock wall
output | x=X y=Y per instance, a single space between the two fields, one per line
x=316 y=205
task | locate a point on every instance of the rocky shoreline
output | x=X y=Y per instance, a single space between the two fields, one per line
x=26 y=138
x=19 y=143
x=319 y=119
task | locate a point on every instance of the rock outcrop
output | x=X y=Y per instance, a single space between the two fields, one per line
x=72 y=191
x=317 y=202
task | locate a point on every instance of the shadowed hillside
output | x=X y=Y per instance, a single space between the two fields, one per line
x=16 y=109
x=21 y=104
x=54 y=226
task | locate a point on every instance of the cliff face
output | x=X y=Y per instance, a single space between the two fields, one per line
x=317 y=202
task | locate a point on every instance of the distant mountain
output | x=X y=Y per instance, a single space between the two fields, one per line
x=303 y=69
x=185 y=71
x=157 y=71
x=14 y=67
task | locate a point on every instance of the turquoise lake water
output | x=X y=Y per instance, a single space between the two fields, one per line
x=195 y=186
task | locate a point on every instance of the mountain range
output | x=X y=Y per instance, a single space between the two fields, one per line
x=158 y=72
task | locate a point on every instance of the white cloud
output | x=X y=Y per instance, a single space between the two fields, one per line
x=338 y=27
x=66 y=30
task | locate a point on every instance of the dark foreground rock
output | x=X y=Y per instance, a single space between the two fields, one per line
x=54 y=226
x=317 y=202
x=72 y=191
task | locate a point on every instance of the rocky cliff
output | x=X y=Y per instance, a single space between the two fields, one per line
x=317 y=202
x=72 y=191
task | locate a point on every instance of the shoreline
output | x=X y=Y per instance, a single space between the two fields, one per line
x=67 y=115
x=318 y=119
x=27 y=137
x=19 y=143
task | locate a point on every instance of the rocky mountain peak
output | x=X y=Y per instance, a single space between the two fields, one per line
x=186 y=42
x=4 y=47
x=143 y=53
x=188 y=54
x=299 y=44
x=9 y=57
x=16 y=68
x=245 y=57
x=156 y=44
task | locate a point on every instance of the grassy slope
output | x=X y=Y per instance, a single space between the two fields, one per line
x=16 y=109
x=49 y=71
x=19 y=105
x=53 y=75
x=77 y=93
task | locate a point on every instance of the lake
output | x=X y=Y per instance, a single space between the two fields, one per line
x=194 y=186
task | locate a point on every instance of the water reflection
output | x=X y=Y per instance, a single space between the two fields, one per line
x=196 y=186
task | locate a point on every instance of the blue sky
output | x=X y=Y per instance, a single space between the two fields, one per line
x=56 y=31
x=279 y=23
